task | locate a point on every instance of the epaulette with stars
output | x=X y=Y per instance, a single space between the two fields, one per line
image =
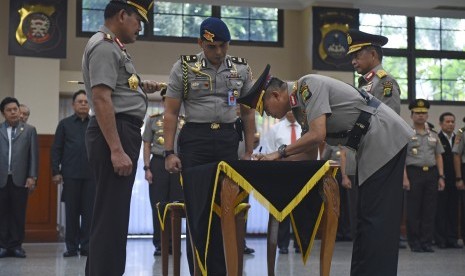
x=381 y=73
x=189 y=58
x=239 y=60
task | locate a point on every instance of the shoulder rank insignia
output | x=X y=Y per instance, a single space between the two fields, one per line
x=381 y=73
x=387 y=88
x=239 y=60
x=189 y=58
x=107 y=37
x=305 y=93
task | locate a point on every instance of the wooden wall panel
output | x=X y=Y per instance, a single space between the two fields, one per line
x=41 y=216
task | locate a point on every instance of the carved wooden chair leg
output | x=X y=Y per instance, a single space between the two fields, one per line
x=272 y=242
x=329 y=223
x=229 y=192
x=240 y=230
x=177 y=212
x=165 y=241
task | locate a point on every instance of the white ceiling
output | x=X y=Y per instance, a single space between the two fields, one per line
x=404 y=7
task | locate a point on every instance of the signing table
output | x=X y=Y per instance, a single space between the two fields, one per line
x=304 y=190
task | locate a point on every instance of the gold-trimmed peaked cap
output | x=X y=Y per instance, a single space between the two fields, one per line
x=419 y=105
x=214 y=29
x=254 y=98
x=357 y=40
x=142 y=7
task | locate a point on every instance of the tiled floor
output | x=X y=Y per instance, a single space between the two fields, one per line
x=46 y=259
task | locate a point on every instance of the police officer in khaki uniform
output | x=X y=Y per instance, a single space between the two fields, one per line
x=163 y=186
x=113 y=138
x=367 y=56
x=459 y=165
x=423 y=177
x=208 y=84
x=331 y=109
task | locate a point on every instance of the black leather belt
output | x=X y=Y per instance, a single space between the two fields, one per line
x=211 y=126
x=360 y=127
x=423 y=168
x=129 y=118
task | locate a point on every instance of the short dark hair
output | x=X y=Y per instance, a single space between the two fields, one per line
x=441 y=118
x=6 y=101
x=378 y=51
x=113 y=7
x=275 y=84
x=78 y=93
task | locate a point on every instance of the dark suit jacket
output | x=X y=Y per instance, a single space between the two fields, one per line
x=448 y=158
x=25 y=154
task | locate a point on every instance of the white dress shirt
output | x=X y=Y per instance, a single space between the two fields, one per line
x=280 y=134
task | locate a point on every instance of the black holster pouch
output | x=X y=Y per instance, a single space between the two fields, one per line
x=361 y=126
x=239 y=128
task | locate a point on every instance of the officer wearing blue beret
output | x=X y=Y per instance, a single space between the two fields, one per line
x=367 y=56
x=208 y=84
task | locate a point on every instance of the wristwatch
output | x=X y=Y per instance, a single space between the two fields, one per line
x=146 y=168
x=442 y=176
x=282 y=151
x=457 y=179
x=167 y=153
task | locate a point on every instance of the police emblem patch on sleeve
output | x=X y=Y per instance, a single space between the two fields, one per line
x=387 y=88
x=305 y=93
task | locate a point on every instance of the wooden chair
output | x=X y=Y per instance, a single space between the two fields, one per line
x=172 y=226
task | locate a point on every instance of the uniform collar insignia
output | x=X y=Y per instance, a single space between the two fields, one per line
x=369 y=76
x=121 y=45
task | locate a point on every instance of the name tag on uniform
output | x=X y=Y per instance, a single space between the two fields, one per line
x=200 y=85
x=231 y=98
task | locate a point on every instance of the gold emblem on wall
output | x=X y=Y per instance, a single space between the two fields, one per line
x=333 y=41
x=34 y=24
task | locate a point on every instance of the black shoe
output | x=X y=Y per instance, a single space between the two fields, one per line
x=453 y=245
x=441 y=245
x=248 y=250
x=3 y=252
x=84 y=253
x=69 y=253
x=402 y=244
x=427 y=248
x=416 y=249
x=18 y=253
x=283 y=251
x=157 y=252
x=297 y=250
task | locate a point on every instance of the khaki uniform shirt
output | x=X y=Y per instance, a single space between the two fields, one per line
x=422 y=149
x=106 y=62
x=153 y=133
x=317 y=95
x=383 y=86
x=209 y=90
x=459 y=147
